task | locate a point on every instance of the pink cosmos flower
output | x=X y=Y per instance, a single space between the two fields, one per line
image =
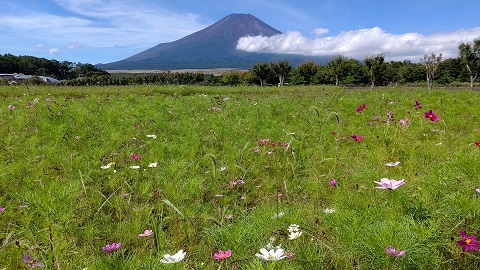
x=135 y=157
x=32 y=262
x=2 y=209
x=333 y=182
x=333 y=132
x=256 y=150
x=417 y=105
x=477 y=143
x=395 y=253
x=432 y=116
x=390 y=117
x=361 y=107
x=405 y=123
x=236 y=182
x=146 y=233
x=263 y=141
x=111 y=247
x=11 y=107
x=222 y=255
x=357 y=138
x=468 y=242
x=389 y=184
x=477 y=189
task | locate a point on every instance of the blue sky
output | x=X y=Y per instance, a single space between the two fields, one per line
x=103 y=31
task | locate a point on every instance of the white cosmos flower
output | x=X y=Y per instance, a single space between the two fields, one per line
x=107 y=166
x=293 y=228
x=167 y=258
x=152 y=165
x=392 y=164
x=153 y=136
x=294 y=235
x=271 y=255
x=135 y=167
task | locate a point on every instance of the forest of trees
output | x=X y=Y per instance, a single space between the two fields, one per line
x=373 y=71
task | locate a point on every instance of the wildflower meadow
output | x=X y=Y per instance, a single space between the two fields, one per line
x=195 y=177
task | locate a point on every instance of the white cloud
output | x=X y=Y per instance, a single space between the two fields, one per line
x=75 y=45
x=53 y=51
x=320 y=31
x=361 y=43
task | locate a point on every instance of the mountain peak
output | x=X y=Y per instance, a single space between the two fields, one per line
x=211 y=47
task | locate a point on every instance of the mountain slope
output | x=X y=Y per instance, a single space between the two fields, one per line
x=212 y=47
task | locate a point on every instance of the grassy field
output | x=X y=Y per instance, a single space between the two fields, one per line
x=231 y=168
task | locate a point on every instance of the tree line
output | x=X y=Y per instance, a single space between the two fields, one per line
x=31 y=65
x=373 y=71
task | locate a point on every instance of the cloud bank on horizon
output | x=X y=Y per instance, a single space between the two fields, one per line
x=361 y=43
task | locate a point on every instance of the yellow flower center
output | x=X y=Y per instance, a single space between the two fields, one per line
x=468 y=241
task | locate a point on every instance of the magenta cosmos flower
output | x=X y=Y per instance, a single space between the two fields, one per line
x=477 y=143
x=333 y=182
x=432 y=116
x=395 y=253
x=135 y=157
x=222 y=255
x=111 y=247
x=417 y=105
x=361 y=107
x=468 y=242
x=389 y=184
x=357 y=138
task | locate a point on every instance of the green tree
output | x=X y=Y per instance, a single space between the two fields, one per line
x=247 y=78
x=307 y=71
x=470 y=56
x=262 y=71
x=375 y=68
x=281 y=70
x=337 y=67
x=431 y=63
x=231 y=78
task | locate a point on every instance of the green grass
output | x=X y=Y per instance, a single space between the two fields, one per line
x=62 y=208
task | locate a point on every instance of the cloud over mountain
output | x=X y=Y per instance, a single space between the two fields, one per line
x=360 y=43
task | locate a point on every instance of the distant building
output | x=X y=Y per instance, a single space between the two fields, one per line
x=6 y=76
x=21 y=77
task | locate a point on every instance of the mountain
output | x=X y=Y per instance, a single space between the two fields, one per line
x=212 y=47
